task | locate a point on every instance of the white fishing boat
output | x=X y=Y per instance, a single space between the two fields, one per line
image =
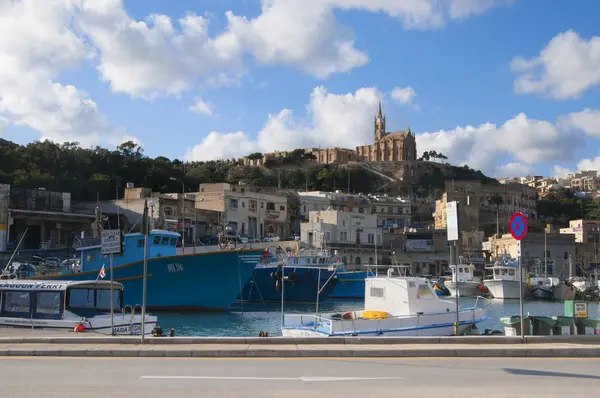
x=542 y=287
x=83 y=306
x=504 y=281
x=468 y=286
x=394 y=306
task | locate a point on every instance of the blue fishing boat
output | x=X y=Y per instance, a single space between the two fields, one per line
x=351 y=284
x=201 y=282
x=304 y=275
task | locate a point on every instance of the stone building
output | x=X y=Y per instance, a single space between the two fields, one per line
x=388 y=147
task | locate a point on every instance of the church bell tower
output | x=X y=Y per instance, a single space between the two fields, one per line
x=379 y=125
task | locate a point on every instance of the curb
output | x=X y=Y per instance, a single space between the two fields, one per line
x=135 y=340
x=592 y=352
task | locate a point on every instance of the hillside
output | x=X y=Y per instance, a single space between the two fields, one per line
x=91 y=173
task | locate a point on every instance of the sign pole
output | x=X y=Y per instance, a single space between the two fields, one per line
x=112 y=306
x=521 y=291
x=518 y=229
x=452 y=231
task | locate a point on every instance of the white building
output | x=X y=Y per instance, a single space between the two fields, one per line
x=249 y=213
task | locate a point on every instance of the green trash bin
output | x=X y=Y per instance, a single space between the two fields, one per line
x=587 y=326
x=512 y=325
x=542 y=325
x=563 y=325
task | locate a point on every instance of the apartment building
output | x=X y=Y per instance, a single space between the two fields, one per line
x=245 y=210
x=587 y=241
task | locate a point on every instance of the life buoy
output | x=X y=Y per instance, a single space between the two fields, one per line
x=79 y=328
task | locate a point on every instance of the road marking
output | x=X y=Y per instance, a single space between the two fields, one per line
x=305 y=379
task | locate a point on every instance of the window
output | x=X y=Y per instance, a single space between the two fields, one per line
x=361 y=210
x=103 y=299
x=48 y=304
x=233 y=203
x=173 y=241
x=371 y=238
x=15 y=303
x=81 y=298
x=327 y=236
x=165 y=241
x=270 y=206
x=262 y=205
x=156 y=240
x=377 y=292
x=140 y=243
x=424 y=292
x=282 y=207
x=343 y=236
x=304 y=208
x=243 y=205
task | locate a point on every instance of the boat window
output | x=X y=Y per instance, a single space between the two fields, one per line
x=424 y=292
x=81 y=298
x=15 y=303
x=377 y=292
x=156 y=240
x=460 y=270
x=140 y=243
x=165 y=241
x=173 y=241
x=48 y=304
x=295 y=260
x=103 y=299
x=511 y=272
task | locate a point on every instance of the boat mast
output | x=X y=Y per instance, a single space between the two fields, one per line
x=545 y=254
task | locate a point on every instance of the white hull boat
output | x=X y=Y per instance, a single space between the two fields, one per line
x=465 y=289
x=394 y=306
x=505 y=289
x=70 y=306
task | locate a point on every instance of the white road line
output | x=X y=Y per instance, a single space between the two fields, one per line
x=305 y=379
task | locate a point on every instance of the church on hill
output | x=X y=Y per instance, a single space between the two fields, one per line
x=388 y=147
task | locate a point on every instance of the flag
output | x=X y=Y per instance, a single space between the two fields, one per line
x=102 y=273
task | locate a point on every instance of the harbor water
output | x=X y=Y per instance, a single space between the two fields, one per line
x=252 y=319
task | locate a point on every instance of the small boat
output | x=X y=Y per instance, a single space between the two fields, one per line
x=542 y=287
x=394 y=306
x=504 y=282
x=467 y=285
x=69 y=306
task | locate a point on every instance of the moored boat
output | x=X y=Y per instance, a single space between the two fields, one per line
x=504 y=281
x=394 y=306
x=209 y=281
x=467 y=285
x=309 y=277
x=69 y=306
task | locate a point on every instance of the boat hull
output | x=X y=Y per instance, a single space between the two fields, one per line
x=542 y=292
x=414 y=325
x=350 y=285
x=123 y=324
x=191 y=282
x=261 y=286
x=505 y=289
x=465 y=289
x=564 y=292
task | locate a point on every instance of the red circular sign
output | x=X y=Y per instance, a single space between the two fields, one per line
x=518 y=225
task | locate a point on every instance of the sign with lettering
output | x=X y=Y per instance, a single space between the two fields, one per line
x=111 y=242
x=581 y=310
x=175 y=267
x=452 y=221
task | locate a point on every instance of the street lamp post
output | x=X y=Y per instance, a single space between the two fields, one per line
x=182 y=213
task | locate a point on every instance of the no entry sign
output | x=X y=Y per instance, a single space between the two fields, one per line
x=518 y=225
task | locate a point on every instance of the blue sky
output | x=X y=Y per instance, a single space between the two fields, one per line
x=290 y=75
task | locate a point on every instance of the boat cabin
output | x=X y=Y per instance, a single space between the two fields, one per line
x=161 y=243
x=506 y=272
x=462 y=272
x=402 y=296
x=45 y=300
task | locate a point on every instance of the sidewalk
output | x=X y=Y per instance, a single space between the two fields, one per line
x=565 y=350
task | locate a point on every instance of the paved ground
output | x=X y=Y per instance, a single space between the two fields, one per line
x=347 y=378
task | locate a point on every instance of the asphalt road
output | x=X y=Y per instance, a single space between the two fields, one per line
x=347 y=378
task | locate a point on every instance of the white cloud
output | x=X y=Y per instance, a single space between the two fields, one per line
x=333 y=120
x=587 y=121
x=159 y=56
x=583 y=165
x=558 y=171
x=202 y=107
x=345 y=120
x=35 y=45
x=566 y=68
x=513 y=169
x=404 y=95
